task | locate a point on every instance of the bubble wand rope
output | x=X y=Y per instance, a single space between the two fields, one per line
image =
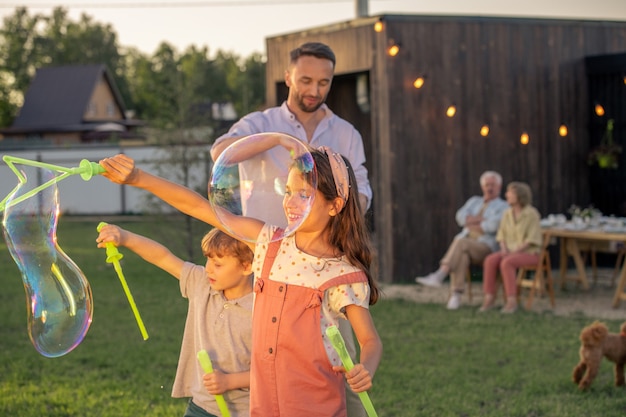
x=205 y=362
x=338 y=343
x=86 y=170
x=113 y=256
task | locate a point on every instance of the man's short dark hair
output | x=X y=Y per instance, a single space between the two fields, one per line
x=316 y=49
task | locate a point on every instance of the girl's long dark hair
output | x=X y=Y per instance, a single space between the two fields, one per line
x=347 y=230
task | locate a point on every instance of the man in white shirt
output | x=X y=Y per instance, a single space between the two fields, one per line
x=304 y=116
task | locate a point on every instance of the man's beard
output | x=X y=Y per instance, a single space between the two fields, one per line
x=309 y=109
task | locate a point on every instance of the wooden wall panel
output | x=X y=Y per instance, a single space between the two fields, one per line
x=518 y=76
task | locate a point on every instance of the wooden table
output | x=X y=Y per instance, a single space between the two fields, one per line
x=569 y=243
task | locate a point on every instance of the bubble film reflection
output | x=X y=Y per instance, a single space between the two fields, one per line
x=58 y=296
x=251 y=178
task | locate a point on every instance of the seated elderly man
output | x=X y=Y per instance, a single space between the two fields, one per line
x=480 y=217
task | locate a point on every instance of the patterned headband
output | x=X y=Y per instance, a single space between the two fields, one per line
x=340 y=172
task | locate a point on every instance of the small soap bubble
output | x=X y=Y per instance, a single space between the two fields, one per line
x=58 y=296
x=255 y=175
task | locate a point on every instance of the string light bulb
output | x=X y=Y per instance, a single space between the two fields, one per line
x=563 y=130
x=393 y=50
x=524 y=139
x=419 y=82
x=599 y=110
x=484 y=130
x=378 y=26
x=451 y=111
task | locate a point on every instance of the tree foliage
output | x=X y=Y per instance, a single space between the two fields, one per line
x=169 y=89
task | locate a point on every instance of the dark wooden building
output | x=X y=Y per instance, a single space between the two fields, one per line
x=522 y=78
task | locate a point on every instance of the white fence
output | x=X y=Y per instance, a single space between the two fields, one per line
x=99 y=195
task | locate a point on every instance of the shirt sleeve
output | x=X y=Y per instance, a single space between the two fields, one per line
x=463 y=212
x=346 y=294
x=190 y=275
x=533 y=228
x=491 y=223
x=247 y=125
x=500 y=237
x=357 y=160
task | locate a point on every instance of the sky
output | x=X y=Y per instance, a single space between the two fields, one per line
x=241 y=26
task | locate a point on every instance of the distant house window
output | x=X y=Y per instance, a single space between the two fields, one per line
x=110 y=109
x=92 y=108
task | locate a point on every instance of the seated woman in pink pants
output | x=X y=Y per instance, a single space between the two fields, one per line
x=519 y=236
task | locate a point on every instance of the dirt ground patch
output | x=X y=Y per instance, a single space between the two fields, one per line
x=595 y=303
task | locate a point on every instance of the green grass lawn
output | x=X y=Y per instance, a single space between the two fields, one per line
x=435 y=363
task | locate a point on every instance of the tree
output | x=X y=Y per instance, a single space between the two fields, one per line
x=155 y=87
x=20 y=49
x=8 y=107
x=253 y=83
x=31 y=42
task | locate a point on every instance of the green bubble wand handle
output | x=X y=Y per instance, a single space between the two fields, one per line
x=338 y=343
x=113 y=256
x=86 y=170
x=205 y=362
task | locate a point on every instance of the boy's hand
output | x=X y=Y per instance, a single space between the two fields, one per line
x=119 y=169
x=358 y=377
x=111 y=234
x=215 y=383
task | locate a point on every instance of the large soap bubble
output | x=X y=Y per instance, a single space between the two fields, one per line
x=58 y=296
x=250 y=178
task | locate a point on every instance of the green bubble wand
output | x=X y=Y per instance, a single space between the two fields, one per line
x=207 y=366
x=338 y=343
x=86 y=170
x=114 y=256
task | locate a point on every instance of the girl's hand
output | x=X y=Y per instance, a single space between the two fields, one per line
x=120 y=169
x=358 y=377
x=215 y=383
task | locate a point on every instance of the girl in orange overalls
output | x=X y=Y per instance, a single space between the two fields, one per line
x=305 y=282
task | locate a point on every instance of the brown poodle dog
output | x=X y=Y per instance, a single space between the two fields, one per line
x=596 y=343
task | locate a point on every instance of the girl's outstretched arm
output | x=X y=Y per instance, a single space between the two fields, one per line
x=360 y=377
x=121 y=169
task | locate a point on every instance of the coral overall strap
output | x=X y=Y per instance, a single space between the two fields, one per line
x=271 y=253
x=350 y=278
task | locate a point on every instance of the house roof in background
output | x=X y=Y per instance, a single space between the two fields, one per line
x=58 y=96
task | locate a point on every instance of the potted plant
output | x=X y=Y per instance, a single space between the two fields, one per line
x=584 y=213
x=606 y=155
